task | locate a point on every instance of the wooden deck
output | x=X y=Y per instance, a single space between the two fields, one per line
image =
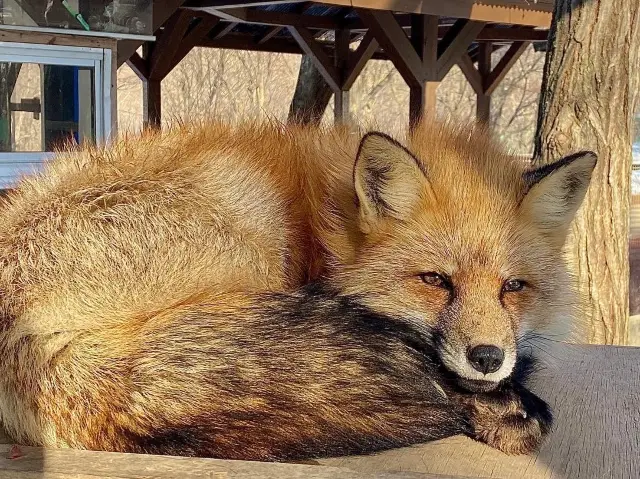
x=594 y=390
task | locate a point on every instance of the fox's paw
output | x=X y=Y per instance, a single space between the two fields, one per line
x=514 y=423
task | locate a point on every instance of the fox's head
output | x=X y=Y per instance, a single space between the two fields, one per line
x=461 y=238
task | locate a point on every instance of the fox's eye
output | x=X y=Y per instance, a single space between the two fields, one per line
x=513 y=286
x=435 y=279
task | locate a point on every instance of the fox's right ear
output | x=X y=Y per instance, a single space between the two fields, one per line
x=555 y=191
x=388 y=180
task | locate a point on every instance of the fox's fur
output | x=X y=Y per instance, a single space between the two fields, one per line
x=147 y=295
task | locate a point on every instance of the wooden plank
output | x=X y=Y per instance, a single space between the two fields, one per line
x=168 y=43
x=395 y=43
x=162 y=11
x=511 y=56
x=358 y=59
x=483 y=105
x=424 y=38
x=341 y=111
x=282 y=19
x=194 y=37
x=468 y=9
x=269 y=34
x=214 y=4
x=455 y=43
x=471 y=74
x=594 y=392
x=151 y=95
x=223 y=29
x=245 y=42
x=37 y=463
x=320 y=59
x=139 y=66
x=273 y=31
x=54 y=39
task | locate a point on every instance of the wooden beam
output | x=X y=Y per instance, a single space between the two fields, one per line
x=152 y=103
x=341 y=109
x=424 y=39
x=139 y=66
x=168 y=44
x=269 y=34
x=358 y=59
x=532 y=13
x=469 y=70
x=492 y=81
x=320 y=59
x=162 y=11
x=245 y=42
x=483 y=105
x=195 y=36
x=273 y=31
x=209 y=4
x=455 y=43
x=223 y=29
x=282 y=19
x=395 y=43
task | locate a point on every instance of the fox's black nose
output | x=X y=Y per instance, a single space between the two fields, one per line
x=486 y=359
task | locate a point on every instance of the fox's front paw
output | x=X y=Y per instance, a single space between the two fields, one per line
x=513 y=422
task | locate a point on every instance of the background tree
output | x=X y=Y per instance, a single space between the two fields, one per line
x=311 y=96
x=590 y=87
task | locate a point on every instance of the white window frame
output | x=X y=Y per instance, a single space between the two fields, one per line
x=100 y=59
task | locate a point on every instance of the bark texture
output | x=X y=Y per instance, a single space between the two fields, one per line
x=312 y=95
x=589 y=92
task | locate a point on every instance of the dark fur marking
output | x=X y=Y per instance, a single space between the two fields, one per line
x=375 y=177
x=533 y=177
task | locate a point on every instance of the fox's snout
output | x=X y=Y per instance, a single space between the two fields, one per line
x=486 y=358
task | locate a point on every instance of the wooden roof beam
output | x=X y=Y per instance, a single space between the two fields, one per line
x=168 y=43
x=245 y=42
x=162 y=11
x=223 y=29
x=455 y=43
x=194 y=37
x=392 y=38
x=358 y=59
x=509 y=58
x=281 y=19
x=535 y=14
x=139 y=66
x=273 y=31
x=320 y=59
x=209 y=4
x=471 y=73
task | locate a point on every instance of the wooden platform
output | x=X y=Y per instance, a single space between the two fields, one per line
x=594 y=390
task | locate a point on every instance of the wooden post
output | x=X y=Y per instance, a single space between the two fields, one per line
x=152 y=103
x=424 y=38
x=341 y=96
x=483 y=106
x=151 y=94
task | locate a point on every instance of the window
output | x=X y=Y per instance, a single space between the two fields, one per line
x=50 y=96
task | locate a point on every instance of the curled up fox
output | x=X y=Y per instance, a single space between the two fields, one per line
x=275 y=293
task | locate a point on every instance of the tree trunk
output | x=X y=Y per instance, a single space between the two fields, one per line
x=312 y=95
x=589 y=91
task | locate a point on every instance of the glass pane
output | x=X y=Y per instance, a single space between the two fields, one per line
x=114 y=16
x=43 y=106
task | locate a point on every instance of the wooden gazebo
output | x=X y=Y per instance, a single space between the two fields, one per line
x=423 y=39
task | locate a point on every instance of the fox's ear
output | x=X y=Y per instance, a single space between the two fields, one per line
x=388 y=180
x=554 y=193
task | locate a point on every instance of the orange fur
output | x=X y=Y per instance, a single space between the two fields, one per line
x=109 y=249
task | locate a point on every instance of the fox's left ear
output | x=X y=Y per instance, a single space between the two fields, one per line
x=388 y=180
x=554 y=193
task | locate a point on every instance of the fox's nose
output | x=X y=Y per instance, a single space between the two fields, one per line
x=486 y=359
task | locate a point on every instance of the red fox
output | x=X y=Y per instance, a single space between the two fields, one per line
x=150 y=293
